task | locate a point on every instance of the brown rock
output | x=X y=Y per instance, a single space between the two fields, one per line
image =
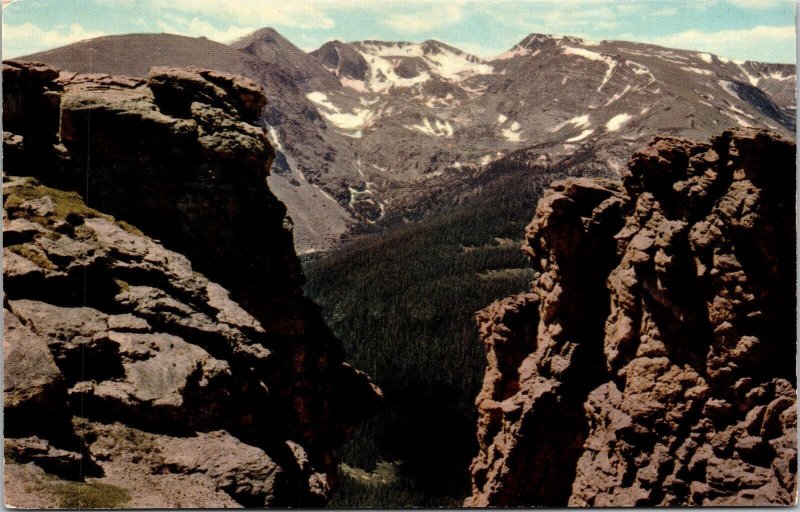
x=176 y=88
x=206 y=329
x=33 y=387
x=244 y=472
x=677 y=346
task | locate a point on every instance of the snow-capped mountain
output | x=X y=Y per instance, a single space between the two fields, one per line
x=380 y=67
x=416 y=115
x=366 y=130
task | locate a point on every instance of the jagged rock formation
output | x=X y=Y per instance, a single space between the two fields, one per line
x=653 y=361
x=178 y=359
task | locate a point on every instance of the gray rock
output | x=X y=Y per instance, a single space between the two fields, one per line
x=243 y=471
x=32 y=383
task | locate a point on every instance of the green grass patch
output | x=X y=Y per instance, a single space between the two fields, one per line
x=385 y=487
x=66 y=204
x=34 y=254
x=86 y=495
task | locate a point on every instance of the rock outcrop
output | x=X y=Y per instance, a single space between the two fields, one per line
x=177 y=359
x=653 y=362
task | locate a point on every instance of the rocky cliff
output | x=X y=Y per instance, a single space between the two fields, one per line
x=158 y=346
x=653 y=362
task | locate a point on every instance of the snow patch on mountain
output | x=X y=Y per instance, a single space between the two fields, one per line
x=513 y=133
x=777 y=75
x=274 y=140
x=588 y=54
x=739 y=119
x=438 y=128
x=351 y=122
x=391 y=49
x=739 y=111
x=490 y=157
x=706 y=57
x=616 y=122
x=631 y=51
x=577 y=121
x=699 y=71
x=580 y=136
x=618 y=95
x=517 y=51
x=474 y=92
x=752 y=79
x=638 y=69
x=352 y=83
x=502 y=119
x=456 y=66
x=441 y=60
x=321 y=99
x=728 y=87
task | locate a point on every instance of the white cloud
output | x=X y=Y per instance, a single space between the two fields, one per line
x=567 y=17
x=292 y=13
x=197 y=27
x=437 y=14
x=729 y=43
x=759 y=4
x=667 y=11
x=29 y=38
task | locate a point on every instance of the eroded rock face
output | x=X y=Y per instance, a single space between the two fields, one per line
x=653 y=361
x=194 y=336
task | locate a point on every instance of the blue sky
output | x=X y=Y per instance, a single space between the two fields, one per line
x=740 y=29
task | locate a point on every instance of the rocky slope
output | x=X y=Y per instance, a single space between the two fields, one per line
x=284 y=71
x=652 y=363
x=177 y=362
x=452 y=116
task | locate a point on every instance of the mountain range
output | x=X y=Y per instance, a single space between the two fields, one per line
x=373 y=133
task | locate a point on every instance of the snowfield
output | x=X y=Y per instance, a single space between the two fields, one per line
x=697 y=70
x=438 y=128
x=383 y=59
x=352 y=123
x=616 y=122
x=580 y=136
x=513 y=133
x=577 y=122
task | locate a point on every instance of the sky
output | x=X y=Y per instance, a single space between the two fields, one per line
x=762 y=30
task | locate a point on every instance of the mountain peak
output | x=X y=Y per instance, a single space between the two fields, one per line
x=269 y=46
x=434 y=46
x=534 y=40
x=266 y=34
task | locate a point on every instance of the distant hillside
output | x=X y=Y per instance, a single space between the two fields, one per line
x=367 y=131
x=135 y=54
